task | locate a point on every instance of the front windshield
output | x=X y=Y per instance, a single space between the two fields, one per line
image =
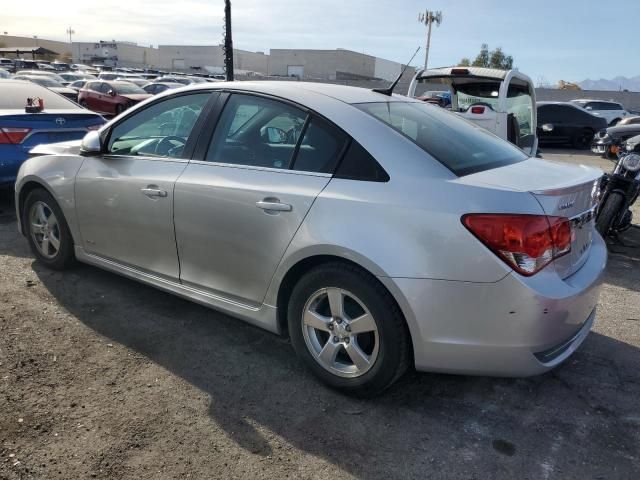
x=128 y=89
x=459 y=145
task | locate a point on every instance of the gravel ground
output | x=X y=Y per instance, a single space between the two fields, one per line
x=101 y=377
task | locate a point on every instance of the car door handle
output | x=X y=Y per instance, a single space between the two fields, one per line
x=153 y=191
x=273 y=205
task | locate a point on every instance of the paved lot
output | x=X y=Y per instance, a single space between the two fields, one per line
x=101 y=377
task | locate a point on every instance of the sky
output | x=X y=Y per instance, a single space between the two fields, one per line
x=550 y=40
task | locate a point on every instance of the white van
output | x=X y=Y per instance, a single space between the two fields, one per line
x=502 y=101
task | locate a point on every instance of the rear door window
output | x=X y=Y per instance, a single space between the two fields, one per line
x=459 y=145
x=256 y=131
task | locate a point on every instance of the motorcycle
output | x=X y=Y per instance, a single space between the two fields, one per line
x=619 y=190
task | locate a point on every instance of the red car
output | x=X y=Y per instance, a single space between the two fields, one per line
x=110 y=97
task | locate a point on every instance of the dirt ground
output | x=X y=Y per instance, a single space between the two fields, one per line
x=101 y=377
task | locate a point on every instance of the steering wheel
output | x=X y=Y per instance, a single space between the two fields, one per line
x=164 y=146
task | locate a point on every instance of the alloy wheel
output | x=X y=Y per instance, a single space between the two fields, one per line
x=340 y=332
x=45 y=229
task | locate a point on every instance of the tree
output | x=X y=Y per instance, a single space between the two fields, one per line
x=482 y=60
x=490 y=59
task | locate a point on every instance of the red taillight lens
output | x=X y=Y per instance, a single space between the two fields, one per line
x=13 y=135
x=527 y=243
x=477 y=110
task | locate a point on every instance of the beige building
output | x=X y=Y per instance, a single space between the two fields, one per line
x=337 y=64
x=63 y=49
x=115 y=54
x=190 y=58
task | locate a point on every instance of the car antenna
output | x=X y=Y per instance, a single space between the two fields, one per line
x=389 y=90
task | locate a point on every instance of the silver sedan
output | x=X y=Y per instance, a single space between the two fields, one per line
x=378 y=232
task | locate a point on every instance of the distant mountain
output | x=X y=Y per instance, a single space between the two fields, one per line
x=615 y=84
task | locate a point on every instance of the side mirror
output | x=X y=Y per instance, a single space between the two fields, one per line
x=112 y=93
x=91 y=144
x=547 y=127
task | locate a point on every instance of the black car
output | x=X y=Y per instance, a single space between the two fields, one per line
x=608 y=141
x=561 y=123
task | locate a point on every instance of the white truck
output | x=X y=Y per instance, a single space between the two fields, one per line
x=501 y=101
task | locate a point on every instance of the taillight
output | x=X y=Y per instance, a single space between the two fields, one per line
x=527 y=243
x=13 y=135
x=477 y=110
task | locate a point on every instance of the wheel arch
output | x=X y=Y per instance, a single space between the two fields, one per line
x=28 y=186
x=303 y=265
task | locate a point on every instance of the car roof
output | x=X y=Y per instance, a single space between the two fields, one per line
x=299 y=90
x=593 y=100
x=549 y=102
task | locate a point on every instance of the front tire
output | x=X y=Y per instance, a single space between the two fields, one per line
x=348 y=330
x=47 y=230
x=609 y=212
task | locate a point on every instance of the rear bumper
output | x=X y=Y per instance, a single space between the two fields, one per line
x=514 y=327
x=11 y=157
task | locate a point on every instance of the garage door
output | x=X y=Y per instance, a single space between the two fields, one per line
x=295 y=71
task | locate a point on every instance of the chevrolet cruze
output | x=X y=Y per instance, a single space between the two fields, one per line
x=377 y=231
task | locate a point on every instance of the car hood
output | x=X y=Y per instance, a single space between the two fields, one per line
x=138 y=97
x=72 y=147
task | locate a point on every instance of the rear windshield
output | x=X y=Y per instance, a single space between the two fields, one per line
x=459 y=145
x=14 y=95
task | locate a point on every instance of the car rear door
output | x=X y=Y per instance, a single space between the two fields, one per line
x=241 y=199
x=124 y=197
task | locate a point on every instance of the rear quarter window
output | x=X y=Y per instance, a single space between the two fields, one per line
x=459 y=145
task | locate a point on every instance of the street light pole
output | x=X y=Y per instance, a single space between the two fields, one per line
x=428 y=18
x=228 y=42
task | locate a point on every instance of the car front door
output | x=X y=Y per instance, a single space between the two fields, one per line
x=244 y=195
x=124 y=197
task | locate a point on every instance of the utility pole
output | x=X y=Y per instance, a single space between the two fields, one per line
x=228 y=42
x=428 y=18
x=70 y=31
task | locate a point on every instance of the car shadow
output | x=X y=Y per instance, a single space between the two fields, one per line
x=426 y=425
x=11 y=242
x=624 y=259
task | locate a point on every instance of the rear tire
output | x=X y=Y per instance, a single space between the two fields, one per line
x=47 y=230
x=84 y=104
x=119 y=109
x=582 y=140
x=614 y=122
x=609 y=212
x=348 y=330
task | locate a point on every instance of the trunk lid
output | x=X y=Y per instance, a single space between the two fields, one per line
x=562 y=190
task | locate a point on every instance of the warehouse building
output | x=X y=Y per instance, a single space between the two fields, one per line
x=115 y=54
x=337 y=64
x=209 y=58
